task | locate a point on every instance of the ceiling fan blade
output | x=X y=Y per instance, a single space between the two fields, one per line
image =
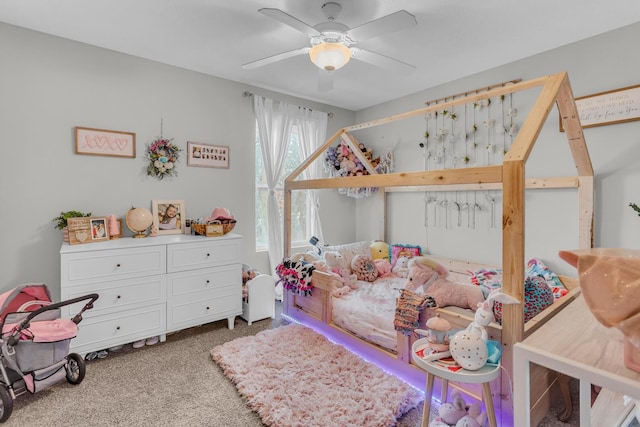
x=325 y=80
x=274 y=58
x=399 y=20
x=289 y=20
x=381 y=61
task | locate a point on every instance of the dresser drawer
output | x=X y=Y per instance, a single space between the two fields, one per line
x=102 y=266
x=119 y=328
x=208 y=253
x=117 y=295
x=203 y=307
x=190 y=282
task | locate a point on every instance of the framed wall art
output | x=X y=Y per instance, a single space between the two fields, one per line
x=606 y=108
x=101 y=142
x=87 y=229
x=207 y=155
x=168 y=216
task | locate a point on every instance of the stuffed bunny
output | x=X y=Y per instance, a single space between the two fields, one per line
x=432 y=277
x=469 y=347
x=450 y=412
x=475 y=417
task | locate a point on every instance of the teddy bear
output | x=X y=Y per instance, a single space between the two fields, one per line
x=379 y=250
x=383 y=266
x=338 y=266
x=401 y=267
x=432 y=277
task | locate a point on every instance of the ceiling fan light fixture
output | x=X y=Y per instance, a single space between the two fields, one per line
x=330 y=56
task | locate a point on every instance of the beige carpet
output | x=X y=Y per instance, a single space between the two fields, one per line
x=292 y=376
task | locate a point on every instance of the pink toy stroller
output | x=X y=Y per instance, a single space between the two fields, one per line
x=34 y=345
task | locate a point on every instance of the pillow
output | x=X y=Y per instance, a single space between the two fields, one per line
x=363 y=267
x=350 y=250
x=537 y=297
x=396 y=251
x=536 y=267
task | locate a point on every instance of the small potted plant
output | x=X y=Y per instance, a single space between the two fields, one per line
x=61 y=221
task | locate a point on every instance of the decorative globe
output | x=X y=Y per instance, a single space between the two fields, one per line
x=138 y=220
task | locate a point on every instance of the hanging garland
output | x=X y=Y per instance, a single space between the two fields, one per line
x=162 y=155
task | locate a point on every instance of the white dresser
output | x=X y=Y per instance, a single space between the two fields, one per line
x=150 y=286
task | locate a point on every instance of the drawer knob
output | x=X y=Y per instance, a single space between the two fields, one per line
x=207 y=308
x=117 y=328
x=118 y=265
x=118 y=297
x=208 y=254
x=208 y=281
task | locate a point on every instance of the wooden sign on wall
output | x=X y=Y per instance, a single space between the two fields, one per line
x=87 y=230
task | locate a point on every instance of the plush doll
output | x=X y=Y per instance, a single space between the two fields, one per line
x=383 y=266
x=248 y=273
x=379 y=250
x=401 y=268
x=475 y=417
x=337 y=265
x=469 y=347
x=432 y=277
x=451 y=412
x=321 y=265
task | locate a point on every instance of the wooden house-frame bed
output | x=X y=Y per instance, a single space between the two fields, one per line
x=509 y=177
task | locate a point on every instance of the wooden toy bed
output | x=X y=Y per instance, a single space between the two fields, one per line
x=509 y=177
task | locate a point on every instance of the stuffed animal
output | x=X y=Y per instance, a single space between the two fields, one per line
x=475 y=417
x=432 y=277
x=321 y=265
x=379 y=250
x=450 y=412
x=339 y=292
x=401 y=268
x=383 y=266
x=338 y=266
x=469 y=347
x=248 y=273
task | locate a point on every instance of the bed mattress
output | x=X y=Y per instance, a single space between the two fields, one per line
x=370 y=310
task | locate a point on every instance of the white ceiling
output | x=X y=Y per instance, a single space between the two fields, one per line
x=453 y=38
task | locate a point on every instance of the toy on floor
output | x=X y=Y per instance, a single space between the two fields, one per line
x=459 y=414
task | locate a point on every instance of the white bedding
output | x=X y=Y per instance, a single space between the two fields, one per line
x=369 y=311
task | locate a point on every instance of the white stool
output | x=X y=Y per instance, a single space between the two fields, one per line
x=483 y=376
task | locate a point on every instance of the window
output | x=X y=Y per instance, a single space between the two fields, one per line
x=300 y=214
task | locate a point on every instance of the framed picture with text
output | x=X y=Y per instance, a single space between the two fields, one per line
x=207 y=155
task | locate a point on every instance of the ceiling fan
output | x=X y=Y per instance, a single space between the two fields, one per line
x=333 y=43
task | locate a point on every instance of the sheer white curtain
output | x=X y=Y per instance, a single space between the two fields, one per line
x=275 y=120
x=312 y=133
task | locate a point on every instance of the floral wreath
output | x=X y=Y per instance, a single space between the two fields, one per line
x=162 y=156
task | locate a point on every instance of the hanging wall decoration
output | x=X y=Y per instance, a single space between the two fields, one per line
x=162 y=155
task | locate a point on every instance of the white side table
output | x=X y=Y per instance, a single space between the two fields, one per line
x=483 y=376
x=576 y=344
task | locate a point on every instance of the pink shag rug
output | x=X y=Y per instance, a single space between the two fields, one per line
x=293 y=376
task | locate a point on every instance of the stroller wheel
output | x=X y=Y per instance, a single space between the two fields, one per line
x=6 y=403
x=75 y=368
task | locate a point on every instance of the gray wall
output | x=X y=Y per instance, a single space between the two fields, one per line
x=594 y=65
x=49 y=85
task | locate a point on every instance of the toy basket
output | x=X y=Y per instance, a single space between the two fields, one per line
x=214 y=228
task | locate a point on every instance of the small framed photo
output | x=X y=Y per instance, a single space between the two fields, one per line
x=169 y=216
x=101 y=142
x=207 y=155
x=87 y=230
